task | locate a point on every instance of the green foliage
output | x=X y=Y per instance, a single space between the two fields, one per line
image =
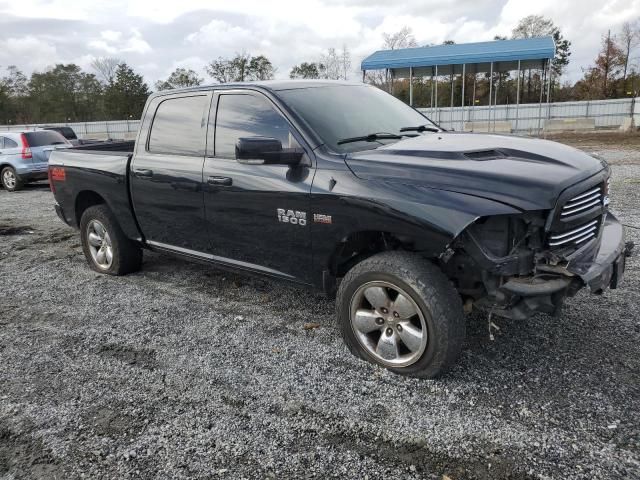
x=63 y=93
x=179 y=78
x=126 y=95
x=243 y=67
x=306 y=70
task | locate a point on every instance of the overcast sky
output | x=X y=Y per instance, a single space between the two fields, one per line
x=155 y=37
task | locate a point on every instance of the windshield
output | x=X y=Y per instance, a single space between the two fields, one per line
x=337 y=112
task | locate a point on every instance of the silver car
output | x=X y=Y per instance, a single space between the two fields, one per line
x=24 y=156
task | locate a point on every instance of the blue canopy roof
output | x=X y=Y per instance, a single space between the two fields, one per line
x=505 y=53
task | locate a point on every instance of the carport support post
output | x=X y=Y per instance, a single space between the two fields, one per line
x=490 y=94
x=411 y=86
x=541 y=93
x=462 y=115
x=451 y=115
x=431 y=104
x=549 y=74
x=436 y=98
x=517 y=97
x=473 y=100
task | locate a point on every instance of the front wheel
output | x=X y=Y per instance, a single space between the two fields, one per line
x=398 y=310
x=10 y=179
x=105 y=245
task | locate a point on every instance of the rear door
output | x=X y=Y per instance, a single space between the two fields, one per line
x=166 y=172
x=257 y=215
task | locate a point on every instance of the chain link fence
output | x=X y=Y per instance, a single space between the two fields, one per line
x=526 y=118
x=531 y=117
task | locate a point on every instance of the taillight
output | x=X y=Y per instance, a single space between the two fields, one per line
x=26 y=151
x=56 y=174
x=51 y=185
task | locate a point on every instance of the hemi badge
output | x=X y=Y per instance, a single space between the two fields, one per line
x=320 y=218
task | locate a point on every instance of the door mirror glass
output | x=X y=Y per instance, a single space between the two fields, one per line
x=266 y=150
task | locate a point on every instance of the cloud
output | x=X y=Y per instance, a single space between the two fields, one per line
x=113 y=43
x=28 y=52
x=154 y=37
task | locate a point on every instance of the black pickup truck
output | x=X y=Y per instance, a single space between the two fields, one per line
x=343 y=188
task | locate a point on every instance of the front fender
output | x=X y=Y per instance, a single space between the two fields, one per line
x=431 y=218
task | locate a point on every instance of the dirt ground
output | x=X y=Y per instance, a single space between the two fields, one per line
x=185 y=371
x=612 y=139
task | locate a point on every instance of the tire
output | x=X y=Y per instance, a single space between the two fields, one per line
x=10 y=180
x=103 y=239
x=426 y=336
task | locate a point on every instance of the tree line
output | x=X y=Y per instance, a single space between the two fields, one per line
x=113 y=90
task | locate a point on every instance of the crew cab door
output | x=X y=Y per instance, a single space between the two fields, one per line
x=245 y=203
x=166 y=172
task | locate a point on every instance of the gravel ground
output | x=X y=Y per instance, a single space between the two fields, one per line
x=185 y=371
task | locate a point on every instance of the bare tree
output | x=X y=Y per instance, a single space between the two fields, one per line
x=332 y=65
x=106 y=68
x=403 y=38
x=629 y=38
x=345 y=60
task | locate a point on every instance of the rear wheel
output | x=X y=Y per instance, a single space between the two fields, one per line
x=105 y=245
x=10 y=179
x=400 y=311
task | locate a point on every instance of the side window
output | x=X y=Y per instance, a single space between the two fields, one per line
x=178 y=126
x=8 y=143
x=246 y=115
x=1 y=142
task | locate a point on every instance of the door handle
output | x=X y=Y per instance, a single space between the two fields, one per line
x=225 y=181
x=143 y=173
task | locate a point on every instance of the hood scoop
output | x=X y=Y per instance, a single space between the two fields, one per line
x=484 y=155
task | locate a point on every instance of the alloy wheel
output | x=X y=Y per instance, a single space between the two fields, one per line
x=388 y=324
x=9 y=178
x=99 y=244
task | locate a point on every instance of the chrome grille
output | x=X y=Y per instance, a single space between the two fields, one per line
x=582 y=202
x=575 y=236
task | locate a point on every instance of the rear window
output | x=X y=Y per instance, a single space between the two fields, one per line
x=44 y=138
x=178 y=126
x=66 y=132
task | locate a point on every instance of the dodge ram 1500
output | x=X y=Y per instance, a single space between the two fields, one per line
x=342 y=187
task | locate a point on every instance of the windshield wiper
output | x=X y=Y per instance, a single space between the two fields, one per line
x=372 y=137
x=420 y=128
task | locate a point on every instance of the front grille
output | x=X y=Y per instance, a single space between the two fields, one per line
x=578 y=219
x=582 y=202
x=575 y=236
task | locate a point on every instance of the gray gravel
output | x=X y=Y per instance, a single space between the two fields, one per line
x=185 y=371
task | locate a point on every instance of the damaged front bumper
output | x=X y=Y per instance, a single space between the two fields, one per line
x=601 y=264
x=598 y=265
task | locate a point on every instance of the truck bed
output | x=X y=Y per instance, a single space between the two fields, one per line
x=102 y=147
x=95 y=174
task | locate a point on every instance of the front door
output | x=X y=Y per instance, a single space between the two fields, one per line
x=166 y=173
x=257 y=215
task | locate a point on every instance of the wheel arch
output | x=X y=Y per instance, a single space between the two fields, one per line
x=84 y=200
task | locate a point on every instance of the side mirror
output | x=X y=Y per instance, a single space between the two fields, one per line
x=266 y=151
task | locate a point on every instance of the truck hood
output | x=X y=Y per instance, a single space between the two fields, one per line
x=522 y=172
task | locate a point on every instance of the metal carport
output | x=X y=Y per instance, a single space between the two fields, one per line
x=466 y=58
